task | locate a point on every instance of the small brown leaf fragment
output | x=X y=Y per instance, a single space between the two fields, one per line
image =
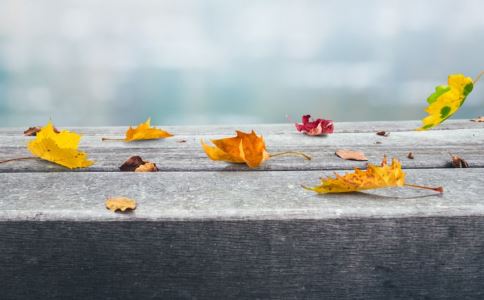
x=181 y=141
x=351 y=155
x=147 y=167
x=378 y=142
x=32 y=131
x=122 y=204
x=410 y=155
x=132 y=164
x=478 y=119
x=458 y=162
x=383 y=133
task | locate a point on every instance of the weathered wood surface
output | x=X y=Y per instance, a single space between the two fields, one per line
x=430 y=148
x=231 y=196
x=201 y=233
x=389 y=258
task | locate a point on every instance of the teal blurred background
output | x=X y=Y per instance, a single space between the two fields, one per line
x=116 y=62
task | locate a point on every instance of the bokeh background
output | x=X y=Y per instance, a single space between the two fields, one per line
x=116 y=62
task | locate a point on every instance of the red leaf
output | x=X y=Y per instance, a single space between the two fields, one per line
x=317 y=127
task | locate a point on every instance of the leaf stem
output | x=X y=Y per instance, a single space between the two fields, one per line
x=112 y=139
x=291 y=153
x=436 y=189
x=478 y=77
x=15 y=159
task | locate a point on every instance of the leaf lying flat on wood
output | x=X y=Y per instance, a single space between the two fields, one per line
x=351 y=155
x=137 y=164
x=122 y=204
x=60 y=148
x=458 y=162
x=374 y=177
x=383 y=133
x=478 y=119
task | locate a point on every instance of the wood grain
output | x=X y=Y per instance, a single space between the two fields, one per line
x=431 y=150
x=402 y=258
x=231 y=196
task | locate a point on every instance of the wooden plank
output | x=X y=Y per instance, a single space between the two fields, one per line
x=230 y=196
x=282 y=128
x=431 y=150
x=407 y=258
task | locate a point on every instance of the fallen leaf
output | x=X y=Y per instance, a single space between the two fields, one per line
x=378 y=142
x=147 y=167
x=132 y=163
x=181 y=141
x=32 y=131
x=144 y=131
x=446 y=100
x=478 y=119
x=410 y=155
x=59 y=148
x=458 y=162
x=122 y=204
x=383 y=133
x=137 y=164
x=317 y=127
x=248 y=148
x=351 y=155
x=374 y=177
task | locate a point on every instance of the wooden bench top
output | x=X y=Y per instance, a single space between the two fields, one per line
x=212 y=230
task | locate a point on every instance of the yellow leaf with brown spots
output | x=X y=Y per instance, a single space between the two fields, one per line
x=59 y=148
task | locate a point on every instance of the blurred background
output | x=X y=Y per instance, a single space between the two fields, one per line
x=116 y=62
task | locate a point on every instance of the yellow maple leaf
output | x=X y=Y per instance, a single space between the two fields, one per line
x=374 y=177
x=59 y=148
x=446 y=100
x=144 y=131
x=248 y=148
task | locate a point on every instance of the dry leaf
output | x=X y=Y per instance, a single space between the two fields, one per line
x=59 y=148
x=478 y=119
x=32 y=131
x=383 y=133
x=147 y=167
x=446 y=100
x=458 y=162
x=317 y=127
x=144 y=131
x=181 y=141
x=351 y=155
x=120 y=204
x=137 y=164
x=248 y=148
x=410 y=155
x=373 y=178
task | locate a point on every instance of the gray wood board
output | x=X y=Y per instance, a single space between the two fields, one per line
x=230 y=196
x=407 y=258
x=430 y=148
x=281 y=128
